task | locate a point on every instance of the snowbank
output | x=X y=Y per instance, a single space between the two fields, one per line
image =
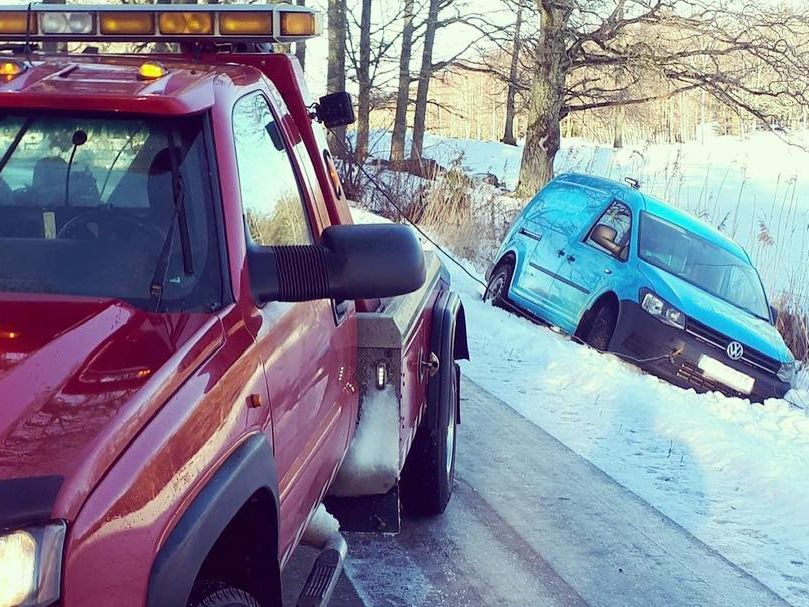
x=731 y=473
x=321 y=527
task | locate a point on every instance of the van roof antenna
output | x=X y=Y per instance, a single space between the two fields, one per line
x=633 y=183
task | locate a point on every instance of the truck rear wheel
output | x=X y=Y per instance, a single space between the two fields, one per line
x=429 y=473
x=215 y=594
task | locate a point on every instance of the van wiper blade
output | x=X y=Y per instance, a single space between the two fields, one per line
x=178 y=219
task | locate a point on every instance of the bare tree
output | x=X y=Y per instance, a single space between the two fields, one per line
x=595 y=54
x=511 y=97
x=364 y=81
x=336 y=70
x=425 y=73
x=300 y=47
x=397 y=142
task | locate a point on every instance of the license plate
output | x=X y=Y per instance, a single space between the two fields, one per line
x=717 y=371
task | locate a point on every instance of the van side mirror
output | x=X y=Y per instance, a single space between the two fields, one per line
x=336 y=109
x=604 y=236
x=351 y=262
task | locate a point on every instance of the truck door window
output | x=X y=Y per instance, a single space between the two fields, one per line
x=271 y=200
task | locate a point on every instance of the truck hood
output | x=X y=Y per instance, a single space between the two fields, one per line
x=718 y=314
x=80 y=377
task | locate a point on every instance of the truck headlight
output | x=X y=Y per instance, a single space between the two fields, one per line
x=787 y=372
x=31 y=566
x=661 y=310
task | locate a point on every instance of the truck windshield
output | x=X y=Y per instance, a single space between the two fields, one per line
x=89 y=207
x=702 y=263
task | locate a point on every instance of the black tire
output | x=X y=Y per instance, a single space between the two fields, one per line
x=499 y=284
x=216 y=594
x=429 y=472
x=601 y=328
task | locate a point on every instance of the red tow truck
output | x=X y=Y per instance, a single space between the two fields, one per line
x=190 y=325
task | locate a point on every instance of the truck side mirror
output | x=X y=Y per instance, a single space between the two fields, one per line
x=351 y=262
x=335 y=109
x=604 y=236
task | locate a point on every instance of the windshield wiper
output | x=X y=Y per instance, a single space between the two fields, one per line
x=178 y=218
x=15 y=142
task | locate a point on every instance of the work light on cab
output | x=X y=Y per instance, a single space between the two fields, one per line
x=273 y=23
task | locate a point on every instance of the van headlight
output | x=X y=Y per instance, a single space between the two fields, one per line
x=31 y=566
x=664 y=312
x=787 y=372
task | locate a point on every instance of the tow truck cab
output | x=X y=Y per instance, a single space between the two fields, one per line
x=190 y=325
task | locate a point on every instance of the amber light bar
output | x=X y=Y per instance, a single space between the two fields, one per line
x=143 y=23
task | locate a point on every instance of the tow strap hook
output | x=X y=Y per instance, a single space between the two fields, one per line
x=675 y=353
x=431 y=365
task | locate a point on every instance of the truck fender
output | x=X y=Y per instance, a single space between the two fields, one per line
x=249 y=469
x=448 y=341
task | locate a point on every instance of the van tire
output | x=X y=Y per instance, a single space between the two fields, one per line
x=499 y=284
x=601 y=328
x=429 y=472
x=217 y=594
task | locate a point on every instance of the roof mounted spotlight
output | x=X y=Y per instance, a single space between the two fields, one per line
x=633 y=183
x=204 y=23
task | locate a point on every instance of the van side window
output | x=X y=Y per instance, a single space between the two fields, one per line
x=271 y=199
x=619 y=217
x=565 y=208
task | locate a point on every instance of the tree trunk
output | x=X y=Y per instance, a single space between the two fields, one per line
x=542 y=137
x=336 y=70
x=300 y=47
x=508 y=133
x=425 y=73
x=364 y=82
x=397 y=141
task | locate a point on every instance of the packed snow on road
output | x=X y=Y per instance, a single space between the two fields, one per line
x=730 y=472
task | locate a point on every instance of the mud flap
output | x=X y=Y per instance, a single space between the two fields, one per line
x=367 y=513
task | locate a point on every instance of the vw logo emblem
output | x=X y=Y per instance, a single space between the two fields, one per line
x=735 y=350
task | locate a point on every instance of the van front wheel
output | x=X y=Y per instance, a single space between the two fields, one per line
x=601 y=329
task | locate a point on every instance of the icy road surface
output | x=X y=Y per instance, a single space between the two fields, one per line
x=532 y=523
x=733 y=474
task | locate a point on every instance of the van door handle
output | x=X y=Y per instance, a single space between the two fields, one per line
x=560 y=252
x=571 y=259
x=607 y=271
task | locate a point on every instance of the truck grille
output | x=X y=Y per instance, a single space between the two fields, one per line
x=710 y=336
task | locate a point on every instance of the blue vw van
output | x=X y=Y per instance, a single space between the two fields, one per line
x=633 y=275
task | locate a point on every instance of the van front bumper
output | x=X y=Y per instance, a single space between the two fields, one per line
x=674 y=355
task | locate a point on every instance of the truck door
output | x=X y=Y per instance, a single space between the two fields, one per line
x=587 y=266
x=309 y=356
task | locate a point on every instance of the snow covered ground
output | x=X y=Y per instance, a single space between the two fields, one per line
x=731 y=473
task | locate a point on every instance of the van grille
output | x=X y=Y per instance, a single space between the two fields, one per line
x=694 y=377
x=719 y=340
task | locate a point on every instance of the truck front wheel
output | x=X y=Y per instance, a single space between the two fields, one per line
x=429 y=473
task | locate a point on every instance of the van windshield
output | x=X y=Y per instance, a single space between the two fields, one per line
x=88 y=206
x=702 y=263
